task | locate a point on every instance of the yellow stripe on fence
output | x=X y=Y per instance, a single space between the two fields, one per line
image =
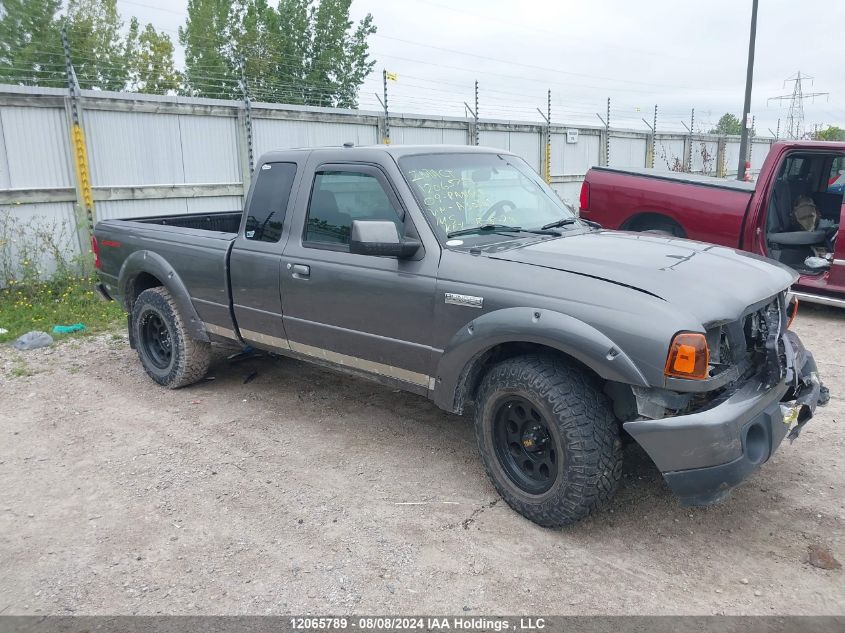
x=80 y=159
x=548 y=165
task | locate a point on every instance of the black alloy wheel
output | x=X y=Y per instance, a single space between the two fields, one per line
x=524 y=445
x=156 y=339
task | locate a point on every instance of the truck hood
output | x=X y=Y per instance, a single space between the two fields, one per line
x=712 y=282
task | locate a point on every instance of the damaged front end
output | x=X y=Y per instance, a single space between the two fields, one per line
x=708 y=435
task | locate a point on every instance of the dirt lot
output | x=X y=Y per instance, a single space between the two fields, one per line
x=307 y=491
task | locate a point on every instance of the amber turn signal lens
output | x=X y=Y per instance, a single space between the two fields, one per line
x=792 y=311
x=688 y=357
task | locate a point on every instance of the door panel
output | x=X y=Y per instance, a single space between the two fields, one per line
x=255 y=261
x=372 y=313
x=836 y=282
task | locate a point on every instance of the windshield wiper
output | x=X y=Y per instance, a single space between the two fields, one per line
x=483 y=227
x=499 y=229
x=559 y=223
x=568 y=221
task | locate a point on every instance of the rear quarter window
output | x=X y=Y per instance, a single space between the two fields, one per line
x=266 y=210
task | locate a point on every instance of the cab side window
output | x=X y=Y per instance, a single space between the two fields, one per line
x=269 y=202
x=338 y=198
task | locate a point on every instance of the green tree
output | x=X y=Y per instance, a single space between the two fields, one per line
x=151 y=61
x=728 y=125
x=30 y=45
x=298 y=52
x=210 y=68
x=338 y=56
x=101 y=55
x=830 y=133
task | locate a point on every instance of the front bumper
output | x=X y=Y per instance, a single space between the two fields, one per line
x=704 y=455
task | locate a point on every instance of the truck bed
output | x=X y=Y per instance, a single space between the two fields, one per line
x=705 y=208
x=223 y=222
x=193 y=247
x=691 y=179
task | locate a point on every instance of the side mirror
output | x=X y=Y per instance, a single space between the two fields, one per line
x=380 y=238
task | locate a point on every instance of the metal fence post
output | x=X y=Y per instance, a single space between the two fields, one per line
x=548 y=154
x=751 y=135
x=721 y=155
x=654 y=137
x=244 y=150
x=546 y=159
x=604 y=137
x=651 y=140
x=607 y=136
x=386 y=111
x=475 y=115
x=691 y=132
x=250 y=153
x=84 y=207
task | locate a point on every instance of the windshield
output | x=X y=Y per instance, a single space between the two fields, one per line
x=464 y=191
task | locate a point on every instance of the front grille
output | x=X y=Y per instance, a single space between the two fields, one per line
x=752 y=343
x=764 y=348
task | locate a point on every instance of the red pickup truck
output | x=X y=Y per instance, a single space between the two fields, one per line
x=792 y=213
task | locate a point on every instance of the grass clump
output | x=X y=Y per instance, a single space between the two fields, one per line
x=64 y=301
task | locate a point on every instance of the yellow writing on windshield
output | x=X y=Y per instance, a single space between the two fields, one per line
x=452 y=198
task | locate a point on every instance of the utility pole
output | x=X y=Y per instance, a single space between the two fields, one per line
x=749 y=77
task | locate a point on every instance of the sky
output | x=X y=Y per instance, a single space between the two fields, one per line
x=678 y=55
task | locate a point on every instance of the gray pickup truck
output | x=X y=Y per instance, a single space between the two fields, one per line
x=455 y=273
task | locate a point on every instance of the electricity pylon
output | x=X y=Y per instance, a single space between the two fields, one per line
x=795 y=118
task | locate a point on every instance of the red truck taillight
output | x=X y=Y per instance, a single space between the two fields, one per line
x=95 y=249
x=584 y=200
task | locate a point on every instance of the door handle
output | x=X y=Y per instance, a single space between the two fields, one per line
x=301 y=271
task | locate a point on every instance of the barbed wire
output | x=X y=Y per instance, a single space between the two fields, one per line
x=311 y=84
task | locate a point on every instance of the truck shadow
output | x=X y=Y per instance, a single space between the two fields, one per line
x=375 y=424
x=364 y=409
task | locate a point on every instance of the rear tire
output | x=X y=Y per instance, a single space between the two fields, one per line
x=660 y=226
x=548 y=439
x=169 y=356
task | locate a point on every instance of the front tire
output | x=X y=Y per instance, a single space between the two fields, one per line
x=548 y=439
x=169 y=356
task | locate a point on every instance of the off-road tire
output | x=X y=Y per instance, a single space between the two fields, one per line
x=581 y=426
x=189 y=360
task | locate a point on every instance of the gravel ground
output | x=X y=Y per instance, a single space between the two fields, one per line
x=305 y=491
